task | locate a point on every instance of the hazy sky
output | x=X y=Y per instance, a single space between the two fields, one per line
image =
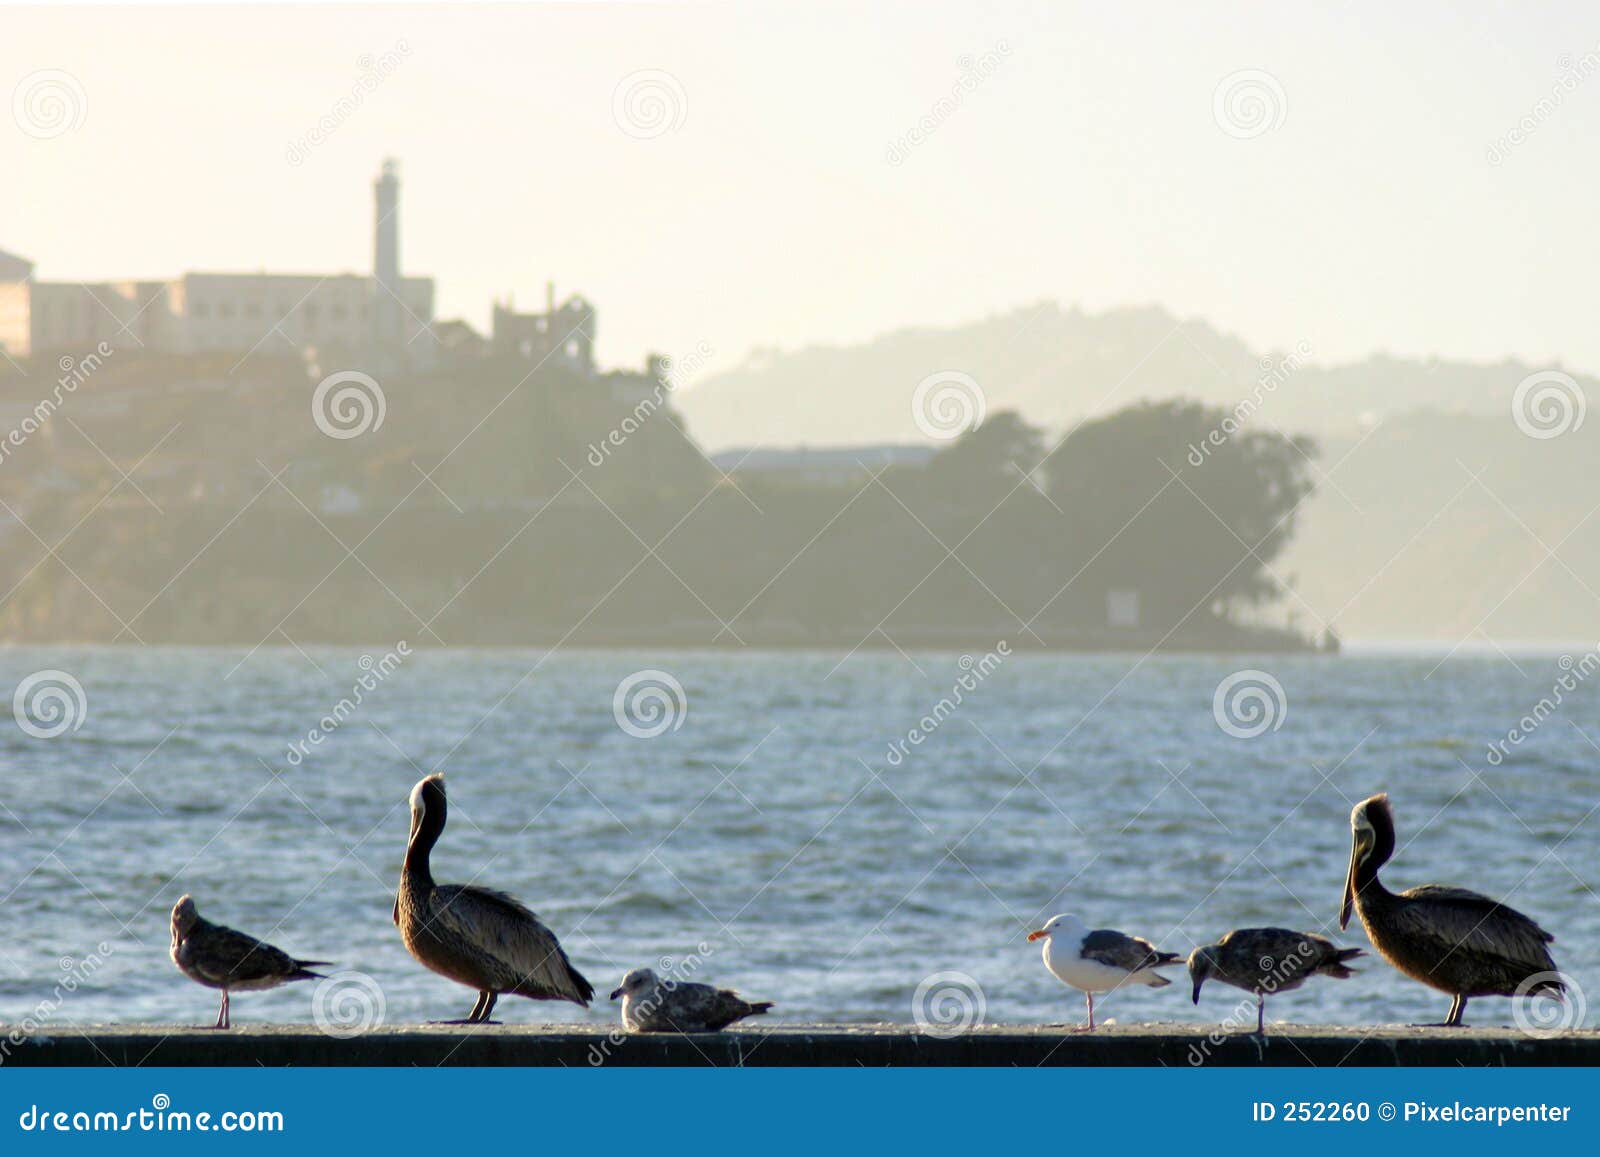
x=1088 y=167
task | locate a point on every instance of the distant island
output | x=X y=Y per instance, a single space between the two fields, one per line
x=178 y=499
x=260 y=458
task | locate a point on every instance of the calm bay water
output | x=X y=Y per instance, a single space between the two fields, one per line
x=773 y=825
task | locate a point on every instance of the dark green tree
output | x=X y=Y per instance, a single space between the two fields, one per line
x=1181 y=501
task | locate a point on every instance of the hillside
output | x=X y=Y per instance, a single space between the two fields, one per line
x=1058 y=365
x=1435 y=526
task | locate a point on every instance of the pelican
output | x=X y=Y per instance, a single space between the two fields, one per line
x=1268 y=960
x=476 y=936
x=650 y=1004
x=219 y=957
x=1451 y=939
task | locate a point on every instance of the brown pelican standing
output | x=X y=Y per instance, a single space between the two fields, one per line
x=1268 y=960
x=219 y=957
x=476 y=936
x=1451 y=939
x=652 y=1005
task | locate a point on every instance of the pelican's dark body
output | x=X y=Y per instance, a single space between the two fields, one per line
x=1452 y=939
x=484 y=939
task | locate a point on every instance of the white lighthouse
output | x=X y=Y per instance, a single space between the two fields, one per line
x=388 y=309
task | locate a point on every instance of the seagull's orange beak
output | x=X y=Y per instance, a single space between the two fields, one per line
x=1039 y=935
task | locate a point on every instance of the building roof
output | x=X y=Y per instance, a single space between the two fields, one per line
x=14 y=268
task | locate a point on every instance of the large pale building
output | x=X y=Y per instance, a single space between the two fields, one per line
x=382 y=316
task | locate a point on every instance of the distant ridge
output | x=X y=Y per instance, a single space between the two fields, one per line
x=1056 y=365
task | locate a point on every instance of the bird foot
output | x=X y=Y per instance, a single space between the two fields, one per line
x=1438 y=1024
x=465 y=1020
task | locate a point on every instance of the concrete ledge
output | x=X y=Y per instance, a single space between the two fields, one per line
x=1178 y=1046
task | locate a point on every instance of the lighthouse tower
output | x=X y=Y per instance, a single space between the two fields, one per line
x=388 y=320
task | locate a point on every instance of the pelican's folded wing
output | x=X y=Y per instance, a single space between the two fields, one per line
x=1461 y=920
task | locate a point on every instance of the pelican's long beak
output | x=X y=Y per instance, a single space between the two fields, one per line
x=1199 y=980
x=616 y=992
x=1038 y=935
x=1349 y=900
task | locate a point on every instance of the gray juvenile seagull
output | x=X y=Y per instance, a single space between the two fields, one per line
x=476 y=936
x=219 y=957
x=1451 y=939
x=1268 y=960
x=650 y=1004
